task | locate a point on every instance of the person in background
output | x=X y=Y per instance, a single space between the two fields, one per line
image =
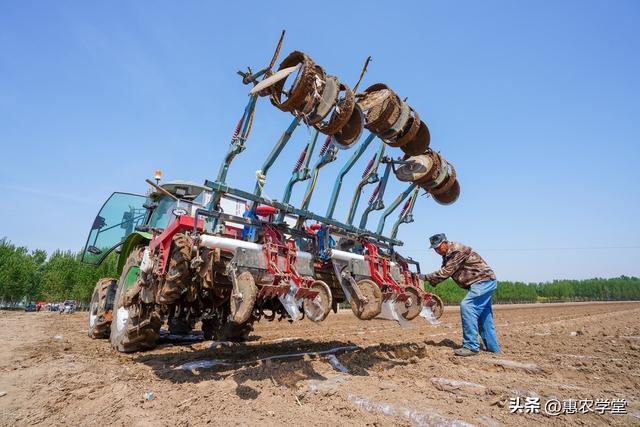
x=472 y=273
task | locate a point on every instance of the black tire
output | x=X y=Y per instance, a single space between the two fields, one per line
x=208 y=328
x=179 y=326
x=178 y=274
x=137 y=326
x=232 y=331
x=101 y=308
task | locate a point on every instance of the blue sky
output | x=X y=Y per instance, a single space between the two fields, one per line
x=535 y=103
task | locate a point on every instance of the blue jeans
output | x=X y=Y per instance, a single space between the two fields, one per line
x=477 y=317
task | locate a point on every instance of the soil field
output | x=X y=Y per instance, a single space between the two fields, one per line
x=342 y=371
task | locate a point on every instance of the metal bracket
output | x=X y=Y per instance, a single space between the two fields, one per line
x=349 y=278
x=231 y=272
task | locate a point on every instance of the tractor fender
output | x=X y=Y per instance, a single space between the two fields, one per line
x=134 y=239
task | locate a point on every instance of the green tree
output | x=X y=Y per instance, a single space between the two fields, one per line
x=17 y=272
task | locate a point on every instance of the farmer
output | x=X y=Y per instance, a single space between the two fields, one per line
x=470 y=272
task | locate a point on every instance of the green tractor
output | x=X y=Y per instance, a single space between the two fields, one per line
x=156 y=284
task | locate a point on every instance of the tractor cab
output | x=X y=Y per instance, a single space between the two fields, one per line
x=125 y=213
x=165 y=209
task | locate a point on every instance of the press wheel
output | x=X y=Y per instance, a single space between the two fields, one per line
x=317 y=309
x=242 y=305
x=371 y=307
x=413 y=303
x=436 y=306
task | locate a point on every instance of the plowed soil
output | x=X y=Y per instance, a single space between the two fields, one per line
x=357 y=372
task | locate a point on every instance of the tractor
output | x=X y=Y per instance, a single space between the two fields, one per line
x=223 y=258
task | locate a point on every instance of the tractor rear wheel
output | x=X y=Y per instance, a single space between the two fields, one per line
x=101 y=308
x=135 y=325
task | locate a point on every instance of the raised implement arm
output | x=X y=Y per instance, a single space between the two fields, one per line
x=243 y=127
x=370 y=176
x=394 y=205
x=236 y=147
x=271 y=158
x=345 y=170
x=376 y=201
x=327 y=155
x=300 y=171
x=406 y=214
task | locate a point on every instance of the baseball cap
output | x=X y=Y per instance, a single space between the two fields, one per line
x=436 y=239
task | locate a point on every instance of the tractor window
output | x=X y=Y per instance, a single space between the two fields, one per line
x=119 y=216
x=163 y=216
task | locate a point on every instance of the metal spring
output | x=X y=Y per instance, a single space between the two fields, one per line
x=369 y=166
x=374 y=194
x=325 y=146
x=405 y=207
x=237 y=131
x=296 y=168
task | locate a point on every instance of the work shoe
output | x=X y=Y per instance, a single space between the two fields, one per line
x=464 y=351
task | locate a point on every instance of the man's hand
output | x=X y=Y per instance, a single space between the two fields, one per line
x=425 y=278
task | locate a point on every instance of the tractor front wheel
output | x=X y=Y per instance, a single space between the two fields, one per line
x=135 y=325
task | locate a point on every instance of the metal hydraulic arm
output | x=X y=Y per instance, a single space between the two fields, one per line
x=376 y=201
x=271 y=158
x=406 y=214
x=345 y=170
x=341 y=228
x=328 y=154
x=395 y=204
x=300 y=171
x=370 y=176
x=237 y=141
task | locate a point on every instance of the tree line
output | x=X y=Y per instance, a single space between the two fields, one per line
x=28 y=276
x=612 y=289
